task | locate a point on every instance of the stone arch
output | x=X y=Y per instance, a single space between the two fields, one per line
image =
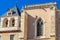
x=12 y=22
x=5 y=22
x=39 y=27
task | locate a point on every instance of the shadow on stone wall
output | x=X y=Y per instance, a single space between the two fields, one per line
x=31 y=27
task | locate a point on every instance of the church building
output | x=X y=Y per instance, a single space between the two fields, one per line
x=32 y=22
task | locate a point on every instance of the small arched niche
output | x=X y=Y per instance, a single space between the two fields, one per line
x=12 y=22
x=5 y=22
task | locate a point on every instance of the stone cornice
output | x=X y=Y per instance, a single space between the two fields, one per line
x=44 y=5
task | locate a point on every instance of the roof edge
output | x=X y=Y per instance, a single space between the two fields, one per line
x=43 y=4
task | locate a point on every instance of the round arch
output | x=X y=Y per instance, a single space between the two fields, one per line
x=5 y=22
x=12 y=22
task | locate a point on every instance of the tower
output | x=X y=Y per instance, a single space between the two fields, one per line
x=10 y=24
x=41 y=21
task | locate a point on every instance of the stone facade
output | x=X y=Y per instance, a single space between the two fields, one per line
x=25 y=27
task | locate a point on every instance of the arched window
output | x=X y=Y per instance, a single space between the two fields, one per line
x=5 y=22
x=12 y=22
x=39 y=27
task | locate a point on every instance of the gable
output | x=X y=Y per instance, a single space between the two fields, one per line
x=12 y=12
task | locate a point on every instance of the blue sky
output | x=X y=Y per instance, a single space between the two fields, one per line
x=5 y=4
